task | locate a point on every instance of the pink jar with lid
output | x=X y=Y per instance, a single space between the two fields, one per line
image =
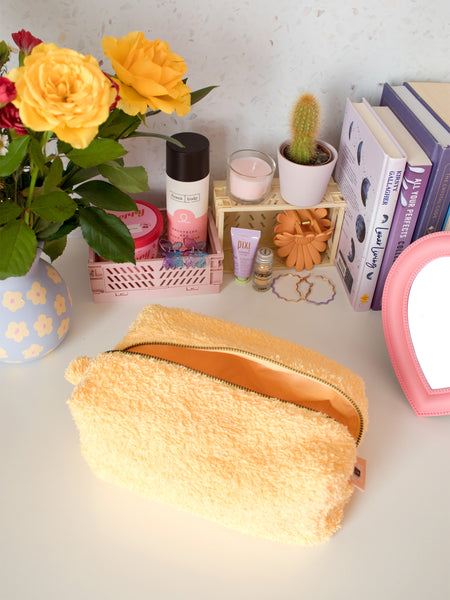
x=145 y=227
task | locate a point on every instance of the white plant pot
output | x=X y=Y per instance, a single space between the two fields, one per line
x=304 y=185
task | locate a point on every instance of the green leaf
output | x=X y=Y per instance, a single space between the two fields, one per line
x=9 y=211
x=118 y=125
x=77 y=175
x=104 y=195
x=54 y=175
x=17 y=150
x=55 y=248
x=107 y=235
x=128 y=179
x=4 y=53
x=54 y=207
x=62 y=231
x=44 y=229
x=63 y=147
x=36 y=155
x=98 y=152
x=18 y=247
x=200 y=94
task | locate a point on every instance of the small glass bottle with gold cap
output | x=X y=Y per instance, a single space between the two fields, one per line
x=263 y=270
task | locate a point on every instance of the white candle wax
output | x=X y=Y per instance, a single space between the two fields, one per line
x=249 y=178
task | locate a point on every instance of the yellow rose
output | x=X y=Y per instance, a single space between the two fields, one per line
x=149 y=74
x=62 y=91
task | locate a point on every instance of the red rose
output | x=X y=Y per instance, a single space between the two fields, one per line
x=10 y=119
x=25 y=41
x=7 y=90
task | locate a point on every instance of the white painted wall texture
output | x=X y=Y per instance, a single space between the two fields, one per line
x=261 y=53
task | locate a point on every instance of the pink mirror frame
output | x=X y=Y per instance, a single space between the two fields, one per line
x=424 y=400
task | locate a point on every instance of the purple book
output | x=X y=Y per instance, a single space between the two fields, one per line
x=414 y=183
x=435 y=141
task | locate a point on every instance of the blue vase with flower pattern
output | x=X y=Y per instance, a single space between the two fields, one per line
x=35 y=313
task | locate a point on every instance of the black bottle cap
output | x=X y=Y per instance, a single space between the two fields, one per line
x=190 y=163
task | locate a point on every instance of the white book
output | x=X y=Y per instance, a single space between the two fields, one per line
x=369 y=172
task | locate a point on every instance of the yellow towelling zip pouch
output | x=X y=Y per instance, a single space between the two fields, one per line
x=228 y=422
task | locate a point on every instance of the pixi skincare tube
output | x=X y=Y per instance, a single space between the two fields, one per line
x=244 y=243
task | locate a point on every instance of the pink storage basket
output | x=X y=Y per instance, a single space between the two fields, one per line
x=150 y=279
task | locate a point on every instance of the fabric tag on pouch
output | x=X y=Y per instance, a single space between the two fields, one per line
x=358 y=477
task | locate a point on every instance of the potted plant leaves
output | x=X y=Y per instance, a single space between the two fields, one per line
x=305 y=163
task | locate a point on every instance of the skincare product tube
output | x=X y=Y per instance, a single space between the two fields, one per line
x=187 y=187
x=245 y=243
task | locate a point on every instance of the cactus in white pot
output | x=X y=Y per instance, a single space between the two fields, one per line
x=299 y=185
x=305 y=121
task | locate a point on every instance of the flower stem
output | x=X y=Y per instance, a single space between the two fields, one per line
x=34 y=175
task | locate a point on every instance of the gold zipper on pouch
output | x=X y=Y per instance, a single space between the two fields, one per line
x=267 y=377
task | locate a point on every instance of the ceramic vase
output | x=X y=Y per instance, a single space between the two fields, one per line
x=304 y=185
x=35 y=313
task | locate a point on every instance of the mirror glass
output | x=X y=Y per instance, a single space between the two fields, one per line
x=428 y=320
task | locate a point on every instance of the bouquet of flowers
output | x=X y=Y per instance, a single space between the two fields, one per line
x=61 y=161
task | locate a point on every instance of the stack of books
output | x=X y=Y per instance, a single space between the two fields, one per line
x=423 y=108
x=394 y=173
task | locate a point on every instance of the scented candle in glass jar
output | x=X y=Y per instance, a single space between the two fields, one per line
x=249 y=176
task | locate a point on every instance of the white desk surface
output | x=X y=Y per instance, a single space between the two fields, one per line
x=67 y=535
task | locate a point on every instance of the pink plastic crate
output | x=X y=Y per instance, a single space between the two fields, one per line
x=149 y=279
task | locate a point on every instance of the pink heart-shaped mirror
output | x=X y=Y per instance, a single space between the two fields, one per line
x=416 y=322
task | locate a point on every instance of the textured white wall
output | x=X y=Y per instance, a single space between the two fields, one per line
x=262 y=54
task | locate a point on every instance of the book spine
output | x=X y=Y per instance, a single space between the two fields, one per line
x=437 y=195
x=437 y=199
x=362 y=288
x=407 y=209
x=378 y=237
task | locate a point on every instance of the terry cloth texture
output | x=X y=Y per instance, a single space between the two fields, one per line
x=245 y=459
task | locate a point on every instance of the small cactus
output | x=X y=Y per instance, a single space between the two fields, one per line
x=304 y=130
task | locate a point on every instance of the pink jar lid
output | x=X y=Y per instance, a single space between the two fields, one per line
x=145 y=226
